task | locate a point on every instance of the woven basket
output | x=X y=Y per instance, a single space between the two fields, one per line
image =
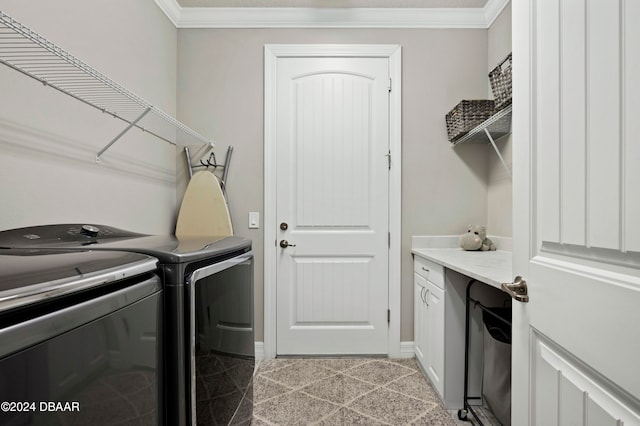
x=467 y=115
x=500 y=78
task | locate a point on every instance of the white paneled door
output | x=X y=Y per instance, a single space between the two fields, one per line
x=576 y=343
x=332 y=205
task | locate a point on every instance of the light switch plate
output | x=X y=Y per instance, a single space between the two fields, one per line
x=254 y=220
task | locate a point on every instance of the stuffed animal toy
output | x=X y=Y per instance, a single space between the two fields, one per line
x=476 y=239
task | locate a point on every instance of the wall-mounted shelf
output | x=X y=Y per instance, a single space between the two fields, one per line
x=490 y=130
x=498 y=125
x=33 y=55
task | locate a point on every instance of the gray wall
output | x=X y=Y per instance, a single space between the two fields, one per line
x=220 y=91
x=48 y=141
x=499 y=197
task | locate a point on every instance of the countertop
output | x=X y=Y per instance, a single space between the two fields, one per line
x=490 y=267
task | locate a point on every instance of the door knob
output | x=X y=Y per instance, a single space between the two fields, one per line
x=285 y=244
x=517 y=289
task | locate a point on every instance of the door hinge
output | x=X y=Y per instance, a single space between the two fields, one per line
x=388 y=155
x=389 y=84
x=389 y=239
x=388 y=316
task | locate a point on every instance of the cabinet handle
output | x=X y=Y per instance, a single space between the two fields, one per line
x=426 y=297
x=422 y=294
x=427 y=271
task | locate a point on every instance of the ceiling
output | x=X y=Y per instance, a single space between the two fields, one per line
x=337 y=3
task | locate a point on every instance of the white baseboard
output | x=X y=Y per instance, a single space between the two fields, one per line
x=259 y=348
x=407 y=350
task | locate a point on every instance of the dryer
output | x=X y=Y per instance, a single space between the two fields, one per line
x=208 y=312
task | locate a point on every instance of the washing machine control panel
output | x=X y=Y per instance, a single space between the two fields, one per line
x=89 y=230
x=63 y=233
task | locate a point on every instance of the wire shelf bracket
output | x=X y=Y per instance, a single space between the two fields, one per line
x=33 y=55
x=492 y=129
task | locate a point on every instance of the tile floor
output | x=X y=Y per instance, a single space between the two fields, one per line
x=345 y=391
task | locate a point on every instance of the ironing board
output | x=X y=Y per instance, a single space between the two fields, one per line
x=204 y=211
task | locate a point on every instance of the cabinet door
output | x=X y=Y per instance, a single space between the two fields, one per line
x=419 y=318
x=435 y=336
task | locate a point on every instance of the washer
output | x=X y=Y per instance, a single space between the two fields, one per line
x=208 y=288
x=80 y=338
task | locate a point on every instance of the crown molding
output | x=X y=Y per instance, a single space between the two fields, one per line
x=302 y=17
x=172 y=9
x=298 y=17
x=493 y=9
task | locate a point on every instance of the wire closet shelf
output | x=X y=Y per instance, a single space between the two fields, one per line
x=33 y=55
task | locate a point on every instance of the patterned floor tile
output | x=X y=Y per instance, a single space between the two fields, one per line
x=406 y=362
x=298 y=374
x=274 y=364
x=341 y=364
x=264 y=389
x=339 y=389
x=416 y=386
x=390 y=407
x=379 y=372
x=345 y=391
x=348 y=417
x=295 y=408
x=436 y=417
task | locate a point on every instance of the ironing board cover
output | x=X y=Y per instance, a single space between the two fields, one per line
x=204 y=211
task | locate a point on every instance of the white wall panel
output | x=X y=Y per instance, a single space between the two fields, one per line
x=331 y=291
x=597 y=416
x=338 y=126
x=566 y=393
x=631 y=126
x=573 y=127
x=544 y=381
x=548 y=129
x=570 y=403
x=603 y=97
x=587 y=109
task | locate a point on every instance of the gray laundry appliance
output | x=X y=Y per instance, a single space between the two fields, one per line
x=208 y=314
x=80 y=338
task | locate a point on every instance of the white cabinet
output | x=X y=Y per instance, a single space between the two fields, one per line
x=439 y=311
x=435 y=326
x=429 y=320
x=419 y=317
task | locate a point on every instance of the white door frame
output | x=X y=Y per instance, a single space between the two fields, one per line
x=271 y=54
